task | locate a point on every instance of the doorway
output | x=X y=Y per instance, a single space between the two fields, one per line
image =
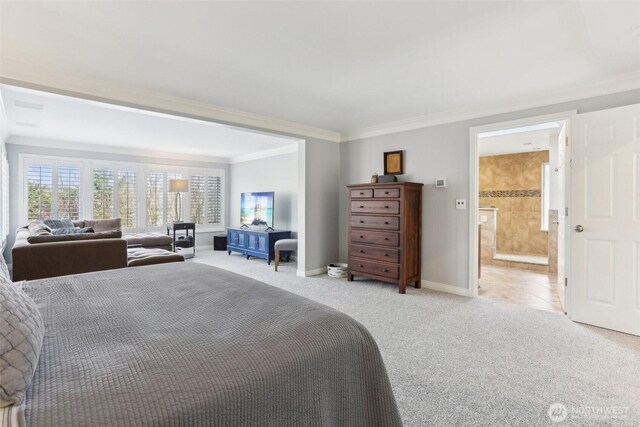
x=518 y=230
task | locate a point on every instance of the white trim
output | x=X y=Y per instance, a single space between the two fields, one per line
x=441 y=287
x=620 y=83
x=41 y=77
x=94 y=148
x=315 y=272
x=38 y=76
x=287 y=149
x=565 y=116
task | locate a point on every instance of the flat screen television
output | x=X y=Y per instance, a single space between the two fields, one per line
x=256 y=209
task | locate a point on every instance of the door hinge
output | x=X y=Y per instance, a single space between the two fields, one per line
x=566 y=141
x=566 y=282
x=566 y=211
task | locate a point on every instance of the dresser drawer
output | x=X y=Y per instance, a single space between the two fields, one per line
x=381 y=222
x=378 y=268
x=363 y=193
x=376 y=252
x=375 y=237
x=375 y=206
x=386 y=192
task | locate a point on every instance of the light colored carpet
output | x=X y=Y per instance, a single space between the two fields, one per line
x=460 y=361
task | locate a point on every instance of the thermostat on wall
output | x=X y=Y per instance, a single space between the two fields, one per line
x=441 y=182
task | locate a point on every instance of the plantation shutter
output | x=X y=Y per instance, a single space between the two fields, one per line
x=39 y=192
x=155 y=199
x=127 y=199
x=68 y=193
x=103 y=193
x=214 y=200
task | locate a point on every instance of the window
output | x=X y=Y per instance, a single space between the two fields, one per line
x=138 y=194
x=103 y=194
x=69 y=192
x=127 y=198
x=40 y=191
x=546 y=195
x=206 y=199
x=5 y=196
x=155 y=199
x=53 y=190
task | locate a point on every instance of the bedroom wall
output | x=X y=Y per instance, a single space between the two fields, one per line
x=441 y=151
x=13 y=151
x=278 y=174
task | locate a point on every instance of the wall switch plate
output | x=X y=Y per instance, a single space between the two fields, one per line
x=461 y=203
x=483 y=218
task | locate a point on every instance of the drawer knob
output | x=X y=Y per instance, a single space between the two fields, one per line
x=386 y=223
x=386 y=254
x=386 y=192
x=361 y=193
x=361 y=206
x=361 y=222
x=361 y=251
x=361 y=266
x=386 y=207
x=362 y=237
x=386 y=238
x=385 y=270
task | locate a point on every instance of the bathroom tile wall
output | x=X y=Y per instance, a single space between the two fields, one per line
x=513 y=183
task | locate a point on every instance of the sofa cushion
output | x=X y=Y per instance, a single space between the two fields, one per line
x=59 y=223
x=113 y=234
x=21 y=335
x=74 y=230
x=39 y=228
x=103 y=224
x=152 y=239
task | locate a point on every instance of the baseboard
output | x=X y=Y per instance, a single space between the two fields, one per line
x=308 y=273
x=441 y=287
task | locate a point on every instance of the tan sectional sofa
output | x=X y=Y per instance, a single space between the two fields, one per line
x=42 y=256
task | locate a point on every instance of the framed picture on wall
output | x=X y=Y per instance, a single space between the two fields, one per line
x=393 y=163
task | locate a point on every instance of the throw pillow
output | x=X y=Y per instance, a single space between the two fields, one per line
x=21 y=336
x=104 y=224
x=59 y=223
x=74 y=230
x=38 y=228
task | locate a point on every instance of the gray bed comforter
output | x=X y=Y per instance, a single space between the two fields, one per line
x=188 y=344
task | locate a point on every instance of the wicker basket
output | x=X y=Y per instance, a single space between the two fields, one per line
x=336 y=269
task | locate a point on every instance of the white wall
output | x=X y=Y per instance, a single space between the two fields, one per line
x=278 y=174
x=441 y=151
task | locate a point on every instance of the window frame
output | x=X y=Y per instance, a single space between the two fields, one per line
x=87 y=167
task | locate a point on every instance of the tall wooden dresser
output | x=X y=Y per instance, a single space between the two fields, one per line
x=385 y=232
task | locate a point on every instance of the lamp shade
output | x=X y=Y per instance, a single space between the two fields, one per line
x=178 y=185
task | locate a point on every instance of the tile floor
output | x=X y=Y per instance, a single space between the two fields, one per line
x=522 y=287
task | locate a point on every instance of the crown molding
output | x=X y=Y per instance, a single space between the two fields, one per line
x=620 y=83
x=95 y=148
x=31 y=75
x=287 y=149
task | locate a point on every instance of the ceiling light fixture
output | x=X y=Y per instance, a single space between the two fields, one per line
x=27 y=124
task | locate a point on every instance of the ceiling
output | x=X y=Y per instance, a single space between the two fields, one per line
x=54 y=118
x=519 y=140
x=339 y=66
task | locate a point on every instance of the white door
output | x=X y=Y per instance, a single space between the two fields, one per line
x=560 y=189
x=605 y=219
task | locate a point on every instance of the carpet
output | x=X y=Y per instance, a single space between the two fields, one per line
x=460 y=361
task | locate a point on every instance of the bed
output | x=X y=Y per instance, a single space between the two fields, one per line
x=188 y=344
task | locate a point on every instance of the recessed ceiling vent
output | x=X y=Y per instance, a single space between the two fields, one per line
x=27 y=104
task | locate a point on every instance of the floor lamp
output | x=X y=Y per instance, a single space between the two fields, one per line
x=178 y=186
